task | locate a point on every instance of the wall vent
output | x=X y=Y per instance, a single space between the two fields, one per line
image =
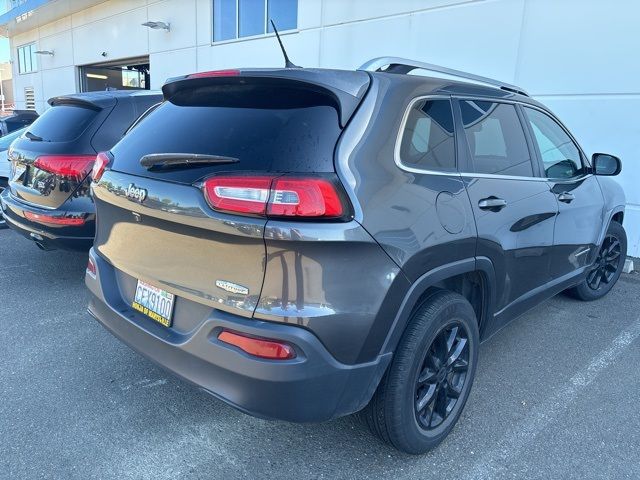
x=29 y=98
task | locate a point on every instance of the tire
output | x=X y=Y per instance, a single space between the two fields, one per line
x=393 y=413
x=607 y=267
x=3 y=222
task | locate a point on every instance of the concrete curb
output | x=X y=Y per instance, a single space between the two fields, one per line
x=629 y=265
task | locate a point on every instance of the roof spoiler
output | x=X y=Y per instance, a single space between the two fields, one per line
x=70 y=100
x=345 y=88
x=404 y=66
x=25 y=112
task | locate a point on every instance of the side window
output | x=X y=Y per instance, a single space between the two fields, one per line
x=561 y=157
x=428 y=142
x=496 y=139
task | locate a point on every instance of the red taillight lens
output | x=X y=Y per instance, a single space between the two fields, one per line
x=258 y=347
x=72 y=167
x=277 y=196
x=91 y=267
x=304 y=197
x=99 y=166
x=68 y=221
x=215 y=73
x=238 y=194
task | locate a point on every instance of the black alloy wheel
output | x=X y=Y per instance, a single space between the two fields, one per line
x=607 y=267
x=422 y=393
x=606 y=264
x=442 y=376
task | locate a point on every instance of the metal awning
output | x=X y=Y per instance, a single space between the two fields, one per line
x=25 y=15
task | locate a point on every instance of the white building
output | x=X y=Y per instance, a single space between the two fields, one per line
x=580 y=57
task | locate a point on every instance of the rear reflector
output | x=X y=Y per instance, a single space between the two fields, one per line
x=68 y=221
x=100 y=165
x=275 y=196
x=91 y=267
x=215 y=73
x=258 y=347
x=72 y=167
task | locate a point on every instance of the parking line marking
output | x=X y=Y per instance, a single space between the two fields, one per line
x=157 y=383
x=498 y=458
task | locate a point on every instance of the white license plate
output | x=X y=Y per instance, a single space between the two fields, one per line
x=154 y=302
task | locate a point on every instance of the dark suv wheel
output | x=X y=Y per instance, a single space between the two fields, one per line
x=424 y=391
x=607 y=267
x=3 y=222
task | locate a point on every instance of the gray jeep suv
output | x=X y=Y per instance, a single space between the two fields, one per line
x=305 y=243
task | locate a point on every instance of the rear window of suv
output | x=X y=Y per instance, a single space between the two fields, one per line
x=63 y=123
x=268 y=129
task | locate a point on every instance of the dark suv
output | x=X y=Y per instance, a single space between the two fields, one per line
x=48 y=197
x=305 y=244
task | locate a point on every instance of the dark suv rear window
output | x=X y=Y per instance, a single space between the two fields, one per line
x=63 y=123
x=267 y=129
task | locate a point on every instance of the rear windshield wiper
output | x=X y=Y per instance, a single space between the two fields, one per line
x=33 y=136
x=176 y=160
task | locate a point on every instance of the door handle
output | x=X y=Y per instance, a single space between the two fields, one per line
x=566 y=197
x=493 y=204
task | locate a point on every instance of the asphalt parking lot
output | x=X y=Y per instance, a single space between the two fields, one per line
x=555 y=397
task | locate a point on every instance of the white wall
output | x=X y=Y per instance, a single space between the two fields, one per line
x=577 y=56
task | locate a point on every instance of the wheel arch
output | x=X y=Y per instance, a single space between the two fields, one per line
x=480 y=268
x=615 y=215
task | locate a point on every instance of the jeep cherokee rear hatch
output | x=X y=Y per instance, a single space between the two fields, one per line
x=51 y=160
x=188 y=191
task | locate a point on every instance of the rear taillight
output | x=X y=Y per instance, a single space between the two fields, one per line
x=238 y=194
x=72 y=167
x=100 y=165
x=258 y=347
x=61 y=220
x=276 y=196
x=91 y=267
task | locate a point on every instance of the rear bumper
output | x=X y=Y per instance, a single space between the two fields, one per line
x=50 y=237
x=312 y=387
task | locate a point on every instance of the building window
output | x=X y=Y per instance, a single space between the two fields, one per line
x=27 y=58
x=247 y=18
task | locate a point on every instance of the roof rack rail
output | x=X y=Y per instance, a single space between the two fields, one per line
x=403 y=66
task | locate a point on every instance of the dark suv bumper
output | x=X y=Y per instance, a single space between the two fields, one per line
x=48 y=236
x=312 y=387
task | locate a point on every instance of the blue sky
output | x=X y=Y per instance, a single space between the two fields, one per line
x=4 y=50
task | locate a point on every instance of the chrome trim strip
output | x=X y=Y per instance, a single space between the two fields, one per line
x=31 y=204
x=402 y=166
x=403 y=124
x=503 y=177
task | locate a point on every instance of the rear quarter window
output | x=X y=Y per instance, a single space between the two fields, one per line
x=428 y=141
x=63 y=123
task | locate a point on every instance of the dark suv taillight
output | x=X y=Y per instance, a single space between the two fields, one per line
x=276 y=196
x=73 y=167
x=100 y=165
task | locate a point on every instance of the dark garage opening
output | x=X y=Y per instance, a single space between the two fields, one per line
x=132 y=74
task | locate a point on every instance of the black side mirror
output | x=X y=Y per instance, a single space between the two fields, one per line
x=605 y=164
